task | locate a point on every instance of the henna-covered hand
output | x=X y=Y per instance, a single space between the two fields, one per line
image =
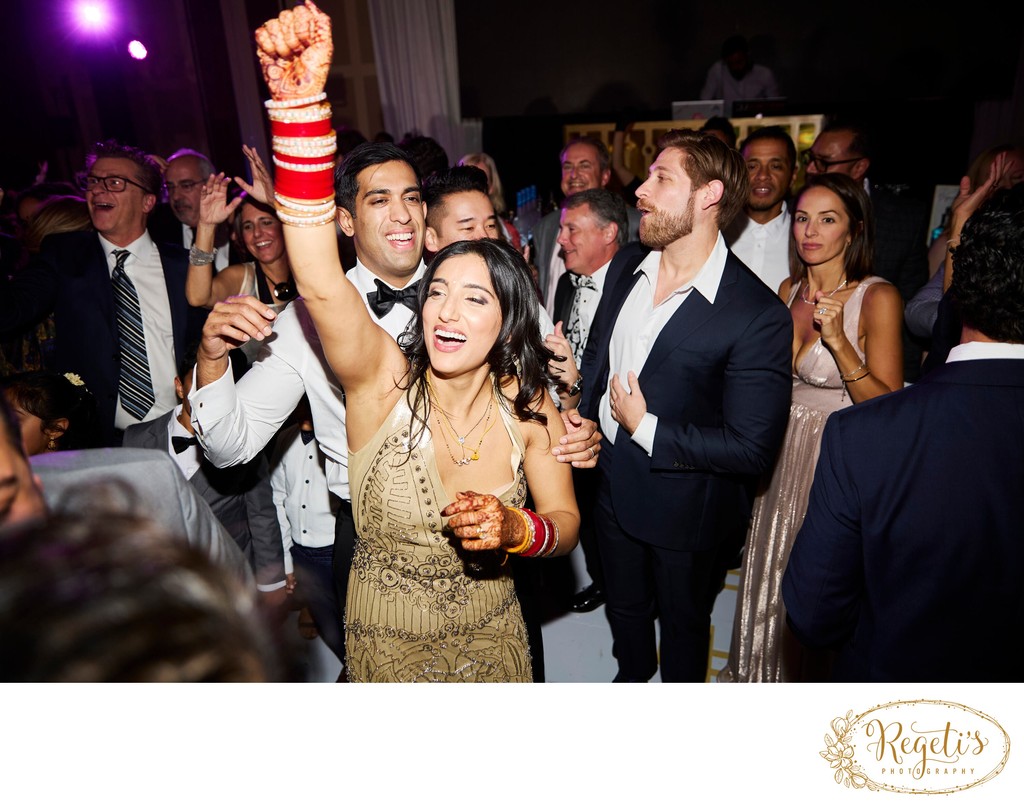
x=295 y=52
x=480 y=521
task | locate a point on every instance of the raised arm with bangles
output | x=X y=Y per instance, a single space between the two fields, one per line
x=421 y=419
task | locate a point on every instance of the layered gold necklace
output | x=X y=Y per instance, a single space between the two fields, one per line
x=445 y=425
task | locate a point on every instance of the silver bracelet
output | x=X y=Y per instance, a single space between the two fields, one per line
x=200 y=258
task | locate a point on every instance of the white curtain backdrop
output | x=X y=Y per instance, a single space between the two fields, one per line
x=418 y=69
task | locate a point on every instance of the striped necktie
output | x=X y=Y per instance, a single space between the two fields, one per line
x=136 y=384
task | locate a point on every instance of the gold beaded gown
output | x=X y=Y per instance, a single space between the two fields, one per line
x=762 y=648
x=418 y=610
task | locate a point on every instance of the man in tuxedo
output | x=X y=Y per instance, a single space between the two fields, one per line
x=592 y=234
x=585 y=164
x=241 y=497
x=687 y=368
x=901 y=223
x=118 y=298
x=911 y=556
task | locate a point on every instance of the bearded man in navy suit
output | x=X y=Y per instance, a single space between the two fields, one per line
x=911 y=556
x=72 y=278
x=687 y=368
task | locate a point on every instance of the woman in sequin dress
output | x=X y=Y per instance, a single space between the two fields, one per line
x=846 y=349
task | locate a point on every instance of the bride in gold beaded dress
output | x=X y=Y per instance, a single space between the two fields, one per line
x=444 y=433
x=846 y=349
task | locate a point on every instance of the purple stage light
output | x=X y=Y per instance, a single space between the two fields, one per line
x=137 y=49
x=93 y=15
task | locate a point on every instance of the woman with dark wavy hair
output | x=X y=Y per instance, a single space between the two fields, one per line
x=847 y=348
x=454 y=424
x=55 y=411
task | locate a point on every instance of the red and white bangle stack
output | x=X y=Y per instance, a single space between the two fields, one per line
x=541 y=537
x=304 y=148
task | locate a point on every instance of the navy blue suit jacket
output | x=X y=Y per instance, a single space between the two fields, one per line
x=911 y=557
x=71 y=279
x=719 y=380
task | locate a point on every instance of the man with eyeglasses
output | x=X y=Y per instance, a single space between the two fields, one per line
x=117 y=296
x=185 y=173
x=901 y=223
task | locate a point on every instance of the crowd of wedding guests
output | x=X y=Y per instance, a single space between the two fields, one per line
x=739 y=382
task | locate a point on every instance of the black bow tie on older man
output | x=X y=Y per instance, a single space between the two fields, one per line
x=384 y=299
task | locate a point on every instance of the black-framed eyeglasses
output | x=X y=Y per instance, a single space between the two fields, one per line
x=184 y=185
x=821 y=164
x=285 y=291
x=113 y=184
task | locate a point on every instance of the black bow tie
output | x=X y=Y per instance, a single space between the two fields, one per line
x=180 y=443
x=384 y=299
x=582 y=281
x=307 y=436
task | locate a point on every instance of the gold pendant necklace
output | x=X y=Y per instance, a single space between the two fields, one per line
x=444 y=421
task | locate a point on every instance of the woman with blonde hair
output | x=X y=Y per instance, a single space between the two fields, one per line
x=496 y=193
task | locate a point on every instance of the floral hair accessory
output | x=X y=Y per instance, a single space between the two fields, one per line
x=74 y=379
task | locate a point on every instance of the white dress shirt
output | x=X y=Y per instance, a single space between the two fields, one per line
x=188 y=460
x=146 y=272
x=763 y=248
x=986 y=351
x=234 y=422
x=305 y=506
x=640 y=322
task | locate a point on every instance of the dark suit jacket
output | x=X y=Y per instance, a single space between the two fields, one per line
x=240 y=497
x=911 y=557
x=70 y=278
x=625 y=260
x=719 y=380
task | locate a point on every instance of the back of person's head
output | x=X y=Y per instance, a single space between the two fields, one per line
x=29 y=201
x=456 y=180
x=103 y=597
x=363 y=156
x=63 y=214
x=707 y=159
x=62 y=403
x=721 y=124
x=605 y=206
x=773 y=132
x=988 y=267
x=348 y=138
x=857 y=205
x=427 y=155
x=148 y=171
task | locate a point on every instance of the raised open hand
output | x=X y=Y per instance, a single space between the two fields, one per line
x=262 y=188
x=214 y=207
x=295 y=52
